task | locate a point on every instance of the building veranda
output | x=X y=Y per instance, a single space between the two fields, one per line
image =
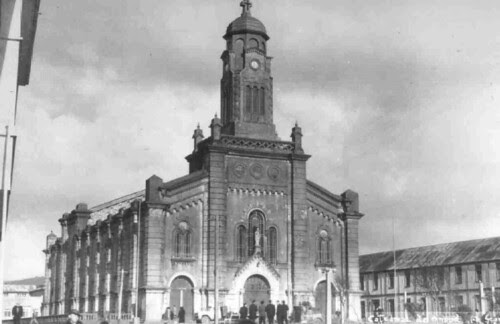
x=245 y=221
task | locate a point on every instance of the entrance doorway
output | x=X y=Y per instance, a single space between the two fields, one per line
x=320 y=297
x=182 y=295
x=257 y=288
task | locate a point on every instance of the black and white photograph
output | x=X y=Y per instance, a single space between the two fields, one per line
x=250 y=161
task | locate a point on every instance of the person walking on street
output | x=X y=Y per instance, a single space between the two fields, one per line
x=270 y=312
x=252 y=311
x=182 y=315
x=244 y=311
x=279 y=312
x=262 y=313
x=285 y=312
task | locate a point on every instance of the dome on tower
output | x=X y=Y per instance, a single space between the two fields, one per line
x=246 y=23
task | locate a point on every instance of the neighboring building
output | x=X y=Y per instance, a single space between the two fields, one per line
x=28 y=296
x=245 y=215
x=438 y=277
x=18 y=22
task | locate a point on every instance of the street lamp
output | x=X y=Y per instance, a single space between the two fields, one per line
x=325 y=267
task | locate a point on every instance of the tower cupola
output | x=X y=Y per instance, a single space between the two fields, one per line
x=246 y=84
x=246 y=24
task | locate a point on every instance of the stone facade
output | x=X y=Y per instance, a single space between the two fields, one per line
x=244 y=223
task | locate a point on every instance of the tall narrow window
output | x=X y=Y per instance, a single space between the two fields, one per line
x=238 y=53
x=407 y=278
x=187 y=245
x=255 y=222
x=458 y=275
x=390 y=276
x=272 y=244
x=324 y=250
x=229 y=110
x=375 y=281
x=498 y=271
x=255 y=101
x=182 y=241
x=179 y=244
x=241 y=235
x=479 y=273
x=248 y=100
x=362 y=282
x=262 y=97
x=440 y=276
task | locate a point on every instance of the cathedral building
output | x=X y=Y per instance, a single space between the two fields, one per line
x=244 y=224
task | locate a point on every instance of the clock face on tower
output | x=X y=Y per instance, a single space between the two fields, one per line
x=255 y=64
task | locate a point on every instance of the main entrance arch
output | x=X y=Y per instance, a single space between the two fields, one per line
x=182 y=295
x=257 y=288
x=320 y=297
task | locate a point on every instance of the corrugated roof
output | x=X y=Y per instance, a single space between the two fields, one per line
x=481 y=250
x=101 y=212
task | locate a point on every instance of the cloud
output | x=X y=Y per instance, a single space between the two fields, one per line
x=396 y=101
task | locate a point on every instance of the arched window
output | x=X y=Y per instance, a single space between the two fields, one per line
x=262 y=103
x=241 y=243
x=272 y=242
x=182 y=241
x=248 y=99
x=255 y=221
x=324 y=253
x=229 y=111
x=255 y=101
x=238 y=52
x=253 y=43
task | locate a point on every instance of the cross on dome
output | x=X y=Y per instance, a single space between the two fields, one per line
x=246 y=5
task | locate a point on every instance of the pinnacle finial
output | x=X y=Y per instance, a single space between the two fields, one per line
x=246 y=5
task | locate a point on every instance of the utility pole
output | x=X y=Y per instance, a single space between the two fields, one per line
x=137 y=319
x=395 y=281
x=5 y=192
x=216 y=273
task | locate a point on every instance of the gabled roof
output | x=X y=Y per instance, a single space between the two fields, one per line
x=482 y=250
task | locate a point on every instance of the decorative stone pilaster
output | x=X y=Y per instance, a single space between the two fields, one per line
x=64 y=227
x=350 y=218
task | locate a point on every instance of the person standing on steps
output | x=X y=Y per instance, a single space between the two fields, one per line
x=252 y=310
x=270 y=312
x=244 y=311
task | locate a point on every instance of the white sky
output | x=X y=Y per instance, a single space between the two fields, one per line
x=398 y=100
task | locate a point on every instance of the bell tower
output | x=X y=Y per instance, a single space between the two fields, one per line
x=246 y=84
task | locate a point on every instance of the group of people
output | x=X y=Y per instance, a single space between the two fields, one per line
x=172 y=314
x=263 y=312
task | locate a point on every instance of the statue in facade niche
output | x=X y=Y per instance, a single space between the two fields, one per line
x=257 y=237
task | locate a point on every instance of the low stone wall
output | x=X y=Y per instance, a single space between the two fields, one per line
x=61 y=319
x=55 y=319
